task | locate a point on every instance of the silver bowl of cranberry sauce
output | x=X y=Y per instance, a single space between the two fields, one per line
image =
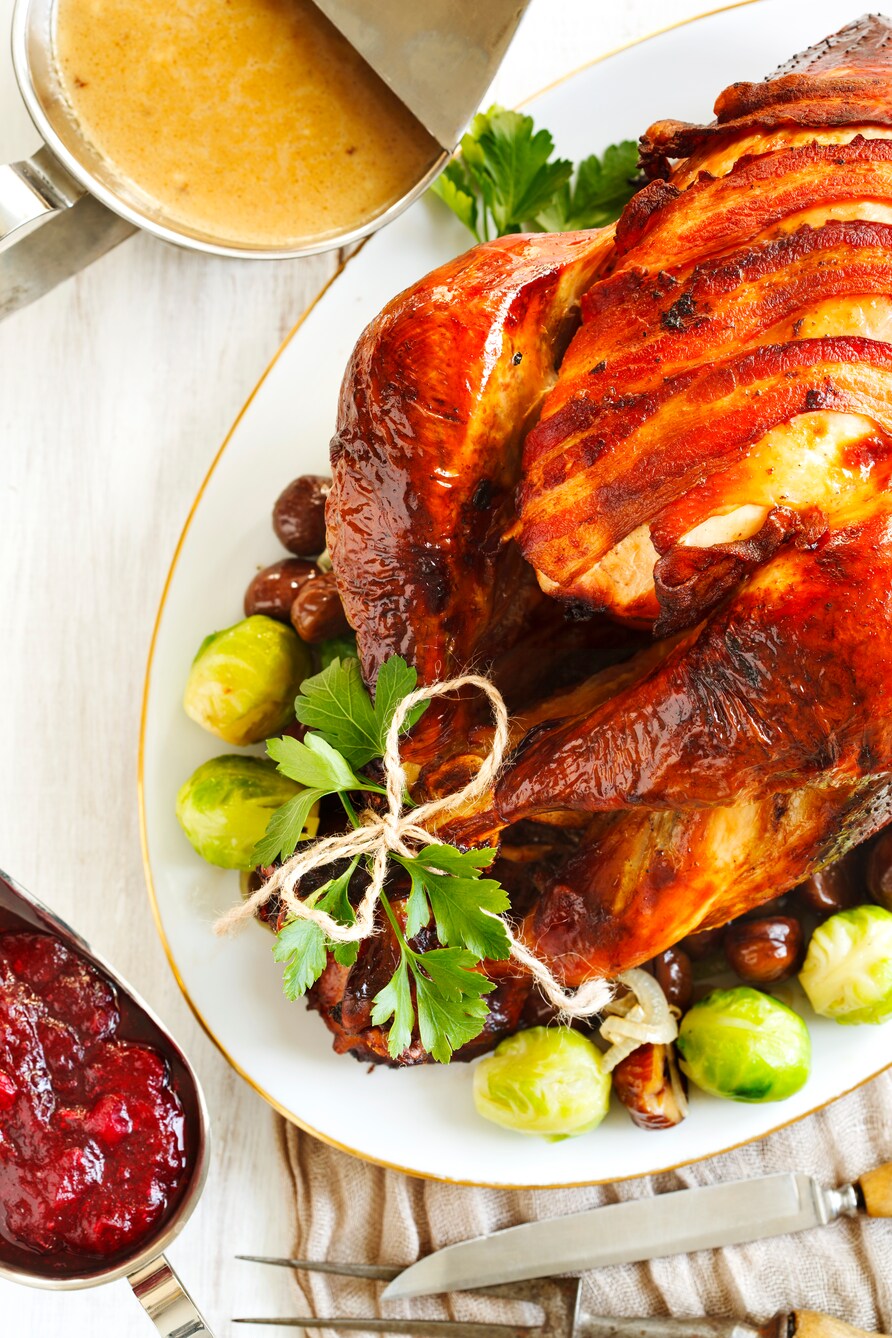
x=103 y=1125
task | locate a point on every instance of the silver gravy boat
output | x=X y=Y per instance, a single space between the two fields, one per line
x=438 y=58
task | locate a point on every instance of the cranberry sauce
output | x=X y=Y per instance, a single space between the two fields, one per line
x=94 y=1141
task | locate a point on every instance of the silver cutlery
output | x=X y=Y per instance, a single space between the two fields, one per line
x=650 y=1228
x=439 y=58
x=563 y=1314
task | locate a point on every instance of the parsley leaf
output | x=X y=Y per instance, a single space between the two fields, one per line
x=395 y=681
x=456 y=189
x=441 y=991
x=337 y=704
x=301 y=945
x=449 y=997
x=505 y=180
x=448 y=993
x=508 y=164
x=395 y=1001
x=601 y=190
x=345 y=954
x=465 y=907
x=333 y=897
x=286 y=828
x=315 y=763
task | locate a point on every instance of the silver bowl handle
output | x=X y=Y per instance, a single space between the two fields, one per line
x=166 y=1301
x=34 y=258
x=33 y=190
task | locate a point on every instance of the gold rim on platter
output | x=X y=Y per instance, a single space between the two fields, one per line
x=143 y=833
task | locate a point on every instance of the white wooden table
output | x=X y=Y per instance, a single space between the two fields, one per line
x=115 y=391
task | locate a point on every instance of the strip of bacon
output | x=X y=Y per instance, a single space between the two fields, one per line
x=838 y=103
x=690 y=581
x=823 y=90
x=640 y=328
x=604 y=468
x=788 y=467
x=661 y=224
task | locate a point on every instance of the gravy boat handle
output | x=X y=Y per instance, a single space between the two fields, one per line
x=166 y=1301
x=33 y=190
x=34 y=257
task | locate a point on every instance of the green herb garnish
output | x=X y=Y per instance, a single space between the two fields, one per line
x=337 y=704
x=442 y=989
x=505 y=180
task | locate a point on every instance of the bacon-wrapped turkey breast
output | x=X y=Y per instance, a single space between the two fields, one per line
x=682 y=426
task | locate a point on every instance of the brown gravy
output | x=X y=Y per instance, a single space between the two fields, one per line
x=248 y=121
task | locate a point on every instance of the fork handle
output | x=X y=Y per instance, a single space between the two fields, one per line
x=809 y=1324
x=166 y=1301
x=876 y=1191
x=798 y=1324
x=698 y=1326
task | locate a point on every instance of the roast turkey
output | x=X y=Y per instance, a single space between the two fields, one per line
x=677 y=430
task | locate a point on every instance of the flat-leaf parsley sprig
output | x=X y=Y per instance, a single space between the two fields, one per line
x=505 y=180
x=441 y=990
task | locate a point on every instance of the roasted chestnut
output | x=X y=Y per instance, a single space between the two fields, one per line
x=703 y=943
x=651 y=1088
x=675 y=976
x=299 y=515
x=878 y=872
x=766 y=950
x=272 y=591
x=776 y=906
x=317 y=613
x=834 y=888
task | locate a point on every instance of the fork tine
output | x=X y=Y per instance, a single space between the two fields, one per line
x=375 y=1272
x=557 y=1298
x=435 y=1328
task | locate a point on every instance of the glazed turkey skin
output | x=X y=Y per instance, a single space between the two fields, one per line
x=680 y=426
x=733 y=365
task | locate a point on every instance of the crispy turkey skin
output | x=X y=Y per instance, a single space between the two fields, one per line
x=681 y=426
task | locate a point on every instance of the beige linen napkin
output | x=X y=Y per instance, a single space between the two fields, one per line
x=349 y=1210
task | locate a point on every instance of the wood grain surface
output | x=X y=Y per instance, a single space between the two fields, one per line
x=115 y=391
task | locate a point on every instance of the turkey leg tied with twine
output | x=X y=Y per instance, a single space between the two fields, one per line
x=403 y=833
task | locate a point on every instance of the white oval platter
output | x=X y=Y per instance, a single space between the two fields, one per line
x=418 y=1120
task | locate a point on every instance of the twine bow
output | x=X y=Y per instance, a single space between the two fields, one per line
x=399 y=832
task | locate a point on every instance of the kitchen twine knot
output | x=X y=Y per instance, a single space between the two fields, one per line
x=403 y=832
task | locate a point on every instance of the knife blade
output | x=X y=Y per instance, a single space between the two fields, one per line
x=629 y=1232
x=63 y=245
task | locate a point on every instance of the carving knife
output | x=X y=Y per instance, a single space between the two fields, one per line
x=649 y=1228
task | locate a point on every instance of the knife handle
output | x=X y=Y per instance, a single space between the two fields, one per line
x=809 y=1324
x=875 y=1188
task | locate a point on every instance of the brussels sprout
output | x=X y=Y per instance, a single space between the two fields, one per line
x=225 y=805
x=847 y=973
x=548 y=1080
x=243 y=681
x=745 y=1045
